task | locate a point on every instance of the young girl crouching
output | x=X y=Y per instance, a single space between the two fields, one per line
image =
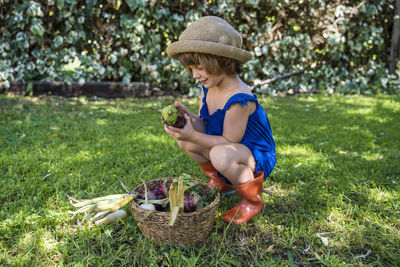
x=231 y=137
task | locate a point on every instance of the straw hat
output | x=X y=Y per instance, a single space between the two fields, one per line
x=211 y=35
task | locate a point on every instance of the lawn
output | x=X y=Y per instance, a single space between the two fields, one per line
x=333 y=198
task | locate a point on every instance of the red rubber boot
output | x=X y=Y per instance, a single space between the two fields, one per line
x=251 y=204
x=211 y=172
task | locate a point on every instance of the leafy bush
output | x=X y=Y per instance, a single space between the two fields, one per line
x=99 y=40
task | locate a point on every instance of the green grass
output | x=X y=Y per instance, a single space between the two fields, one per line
x=338 y=175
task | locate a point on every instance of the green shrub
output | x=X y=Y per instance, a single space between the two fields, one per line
x=99 y=40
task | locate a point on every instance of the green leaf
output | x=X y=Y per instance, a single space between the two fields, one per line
x=127 y=78
x=127 y=21
x=20 y=36
x=132 y=4
x=29 y=88
x=37 y=29
x=372 y=10
x=7 y=84
x=58 y=41
x=60 y=4
x=82 y=35
x=34 y=10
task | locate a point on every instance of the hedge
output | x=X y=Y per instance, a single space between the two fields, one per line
x=125 y=40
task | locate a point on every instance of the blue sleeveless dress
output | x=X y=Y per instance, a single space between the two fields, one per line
x=258 y=135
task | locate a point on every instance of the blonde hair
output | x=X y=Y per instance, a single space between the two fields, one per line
x=212 y=64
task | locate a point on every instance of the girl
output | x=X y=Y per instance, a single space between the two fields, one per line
x=231 y=138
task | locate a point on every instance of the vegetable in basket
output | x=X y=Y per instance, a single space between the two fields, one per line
x=108 y=207
x=176 y=199
x=146 y=205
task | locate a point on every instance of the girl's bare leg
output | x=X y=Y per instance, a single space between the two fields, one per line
x=197 y=153
x=234 y=161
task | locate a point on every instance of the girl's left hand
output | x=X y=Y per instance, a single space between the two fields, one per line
x=184 y=134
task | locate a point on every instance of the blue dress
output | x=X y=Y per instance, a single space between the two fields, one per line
x=257 y=137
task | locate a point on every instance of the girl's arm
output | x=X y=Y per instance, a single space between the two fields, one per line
x=235 y=124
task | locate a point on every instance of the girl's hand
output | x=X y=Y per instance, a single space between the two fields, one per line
x=184 y=134
x=197 y=122
x=183 y=109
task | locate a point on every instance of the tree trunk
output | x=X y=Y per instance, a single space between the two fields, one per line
x=394 y=50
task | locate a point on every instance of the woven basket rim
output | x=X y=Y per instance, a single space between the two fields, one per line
x=181 y=214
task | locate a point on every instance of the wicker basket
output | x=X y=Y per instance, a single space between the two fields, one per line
x=189 y=228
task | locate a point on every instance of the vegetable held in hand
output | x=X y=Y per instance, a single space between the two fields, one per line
x=173 y=117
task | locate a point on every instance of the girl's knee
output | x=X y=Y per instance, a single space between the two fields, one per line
x=220 y=157
x=227 y=157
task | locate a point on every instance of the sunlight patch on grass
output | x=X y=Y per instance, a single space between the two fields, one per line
x=376 y=118
x=300 y=155
x=156 y=106
x=101 y=121
x=25 y=244
x=298 y=150
x=336 y=221
x=84 y=155
x=379 y=195
x=371 y=156
x=112 y=109
x=47 y=242
x=390 y=104
x=309 y=99
x=360 y=111
x=276 y=191
x=343 y=229
x=147 y=137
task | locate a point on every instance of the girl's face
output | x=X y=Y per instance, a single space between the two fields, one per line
x=205 y=78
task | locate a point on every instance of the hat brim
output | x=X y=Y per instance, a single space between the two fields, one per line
x=185 y=46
